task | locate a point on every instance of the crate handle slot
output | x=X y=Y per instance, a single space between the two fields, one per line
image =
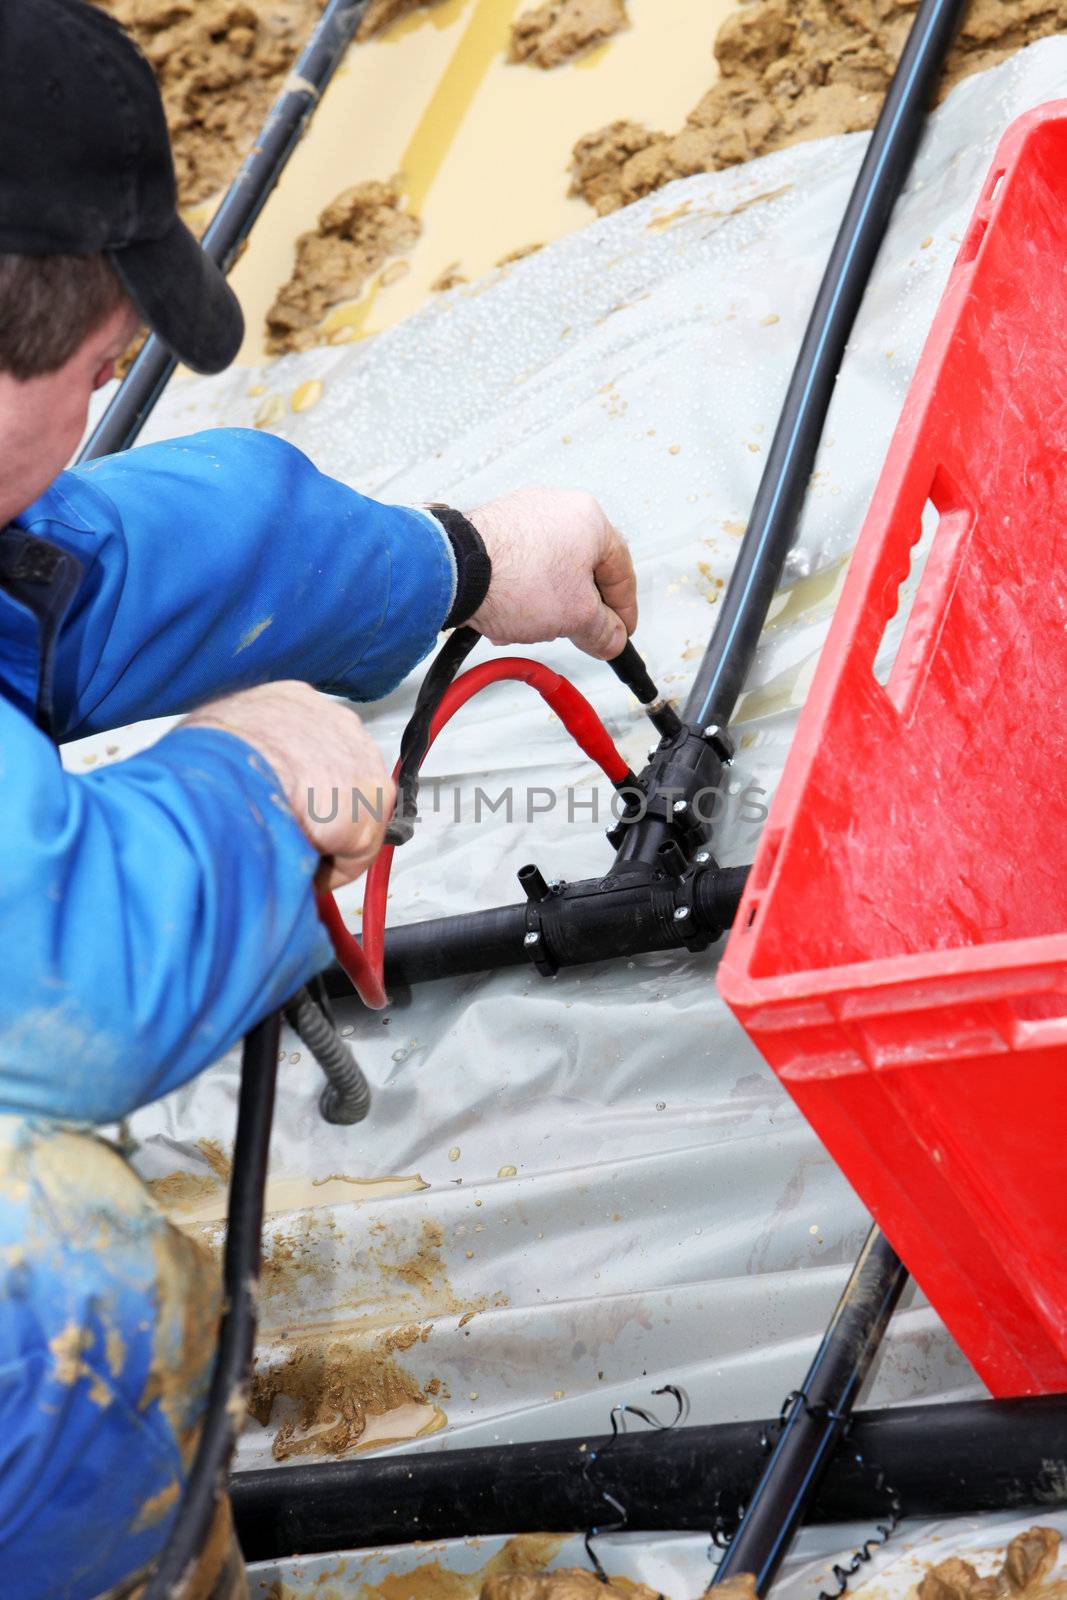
x=1036 y=1020
x=916 y=607
x=973 y=241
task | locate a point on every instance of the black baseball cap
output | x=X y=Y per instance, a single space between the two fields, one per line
x=85 y=167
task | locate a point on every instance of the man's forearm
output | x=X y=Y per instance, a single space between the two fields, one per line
x=151 y=912
x=227 y=560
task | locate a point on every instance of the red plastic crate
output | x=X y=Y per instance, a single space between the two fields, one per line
x=900 y=955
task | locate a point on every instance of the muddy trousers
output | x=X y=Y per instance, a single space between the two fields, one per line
x=108 y=1325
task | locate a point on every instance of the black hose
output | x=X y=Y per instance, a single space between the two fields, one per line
x=228 y=1396
x=416 y=736
x=783 y=486
x=587 y=921
x=345 y=1097
x=630 y=669
x=816 y=1416
x=238 y=210
x=963 y=1458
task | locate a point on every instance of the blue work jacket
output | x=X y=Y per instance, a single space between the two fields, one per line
x=152 y=910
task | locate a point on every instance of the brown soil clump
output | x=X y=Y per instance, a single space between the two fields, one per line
x=356 y=234
x=741 y=1587
x=337 y=1382
x=566 y=1583
x=527 y=1552
x=792 y=70
x=216 y=1157
x=299 y=1255
x=519 y=254
x=336 y=1389
x=182 y=1191
x=561 y=29
x=423 y=1268
x=577 y=1583
x=450 y=278
x=1029 y=1557
x=219 y=64
x=383 y=13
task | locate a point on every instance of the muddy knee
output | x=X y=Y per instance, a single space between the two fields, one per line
x=108 y=1324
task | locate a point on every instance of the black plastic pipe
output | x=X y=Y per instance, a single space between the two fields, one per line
x=238 y=210
x=631 y=670
x=942 y=1460
x=817 y=1416
x=228 y=1396
x=780 y=496
x=594 y=920
x=415 y=741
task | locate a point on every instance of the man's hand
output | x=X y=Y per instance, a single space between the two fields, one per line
x=327 y=764
x=560 y=570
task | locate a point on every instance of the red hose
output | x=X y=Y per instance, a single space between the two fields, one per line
x=572 y=708
x=366 y=978
x=364 y=963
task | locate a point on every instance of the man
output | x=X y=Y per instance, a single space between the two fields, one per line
x=150 y=912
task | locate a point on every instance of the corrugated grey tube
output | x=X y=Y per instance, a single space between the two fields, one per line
x=346 y=1095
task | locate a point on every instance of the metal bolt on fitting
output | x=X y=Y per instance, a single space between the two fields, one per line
x=712 y=731
x=702 y=858
x=680 y=913
x=533 y=937
x=679 y=806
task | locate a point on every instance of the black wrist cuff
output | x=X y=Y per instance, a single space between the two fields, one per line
x=473 y=566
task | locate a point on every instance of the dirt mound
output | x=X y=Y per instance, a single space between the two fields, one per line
x=565 y=1583
x=793 y=70
x=1029 y=1558
x=219 y=65
x=382 y=13
x=577 y=1583
x=335 y=1391
x=554 y=32
x=356 y=234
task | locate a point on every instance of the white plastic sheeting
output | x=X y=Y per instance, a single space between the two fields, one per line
x=675 y=1566
x=615 y=1182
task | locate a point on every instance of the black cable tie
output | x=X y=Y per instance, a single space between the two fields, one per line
x=617 y=1418
x=681 y=1399
x=594 y=1559
x=790 y=1400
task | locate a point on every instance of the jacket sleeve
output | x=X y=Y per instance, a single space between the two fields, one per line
x=225 y=560
x=150 y=913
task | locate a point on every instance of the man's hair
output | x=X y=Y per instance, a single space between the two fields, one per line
x=49 y=305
